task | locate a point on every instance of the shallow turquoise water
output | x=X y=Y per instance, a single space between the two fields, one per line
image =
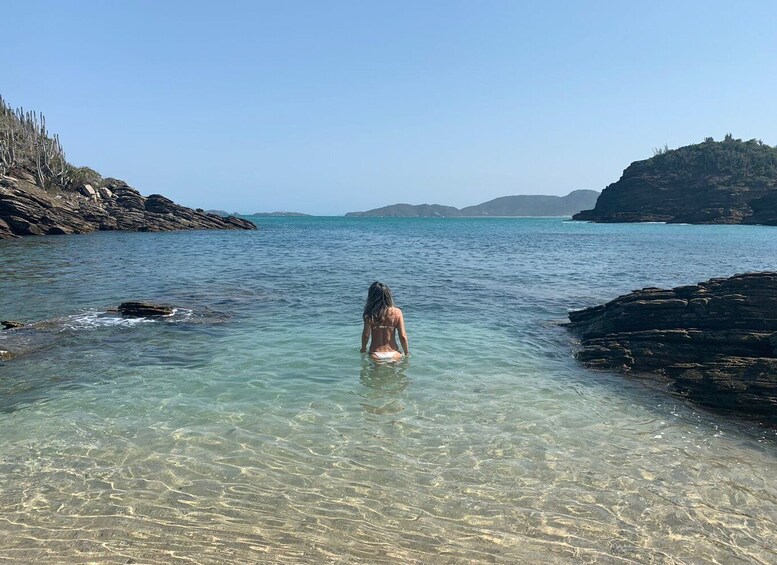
x=248 y=427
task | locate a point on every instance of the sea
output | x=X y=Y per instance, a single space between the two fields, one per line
x=248 y=428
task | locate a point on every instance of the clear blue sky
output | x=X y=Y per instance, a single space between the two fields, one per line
x=328 y=107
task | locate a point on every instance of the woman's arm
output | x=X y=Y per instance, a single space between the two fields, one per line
x=365 y=335
x=403 y=333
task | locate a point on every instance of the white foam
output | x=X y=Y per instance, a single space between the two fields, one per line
x=94 y=319
x=181 y=314
x=98 y=319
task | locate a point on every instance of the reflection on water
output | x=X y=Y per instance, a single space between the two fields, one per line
x=384 y=384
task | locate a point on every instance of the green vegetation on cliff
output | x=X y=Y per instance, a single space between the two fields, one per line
x=42 y=194
x=731 y=162
x=729 y=181
x=25 y=145
x=29 y=151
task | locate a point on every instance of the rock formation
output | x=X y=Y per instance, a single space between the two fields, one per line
x=715 y=342
x=41 y=193
x=26 y=209
x=726 y=182
x=144 y=309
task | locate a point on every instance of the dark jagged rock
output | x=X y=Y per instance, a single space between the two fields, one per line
x=726 y=182
x=41 y=193
x=10 y=324
x=28 y=210
x=715 y=342
x=144 y=309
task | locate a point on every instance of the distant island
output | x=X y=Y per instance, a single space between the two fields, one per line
x=279 y=214
x=222 y=213
x=714 y=182
x=42 y=194
x=506 y=206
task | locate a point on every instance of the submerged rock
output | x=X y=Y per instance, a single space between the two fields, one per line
x=46 y=335
x=715 y=342
x=144 y=309
x=10 y=324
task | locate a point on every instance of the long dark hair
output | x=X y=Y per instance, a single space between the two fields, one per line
x=379 y=300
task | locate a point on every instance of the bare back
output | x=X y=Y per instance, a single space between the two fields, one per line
x=383 y=335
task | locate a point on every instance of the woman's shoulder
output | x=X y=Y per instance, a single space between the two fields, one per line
x=394 y=311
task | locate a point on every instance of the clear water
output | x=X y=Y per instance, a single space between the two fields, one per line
x=247 y=427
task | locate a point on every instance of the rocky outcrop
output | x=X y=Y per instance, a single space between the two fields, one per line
x=727 y=182
x=41 y=193
x=715 y=342
x=26 y=209
x=144 y=309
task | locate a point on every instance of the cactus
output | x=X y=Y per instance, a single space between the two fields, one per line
x=25 y=143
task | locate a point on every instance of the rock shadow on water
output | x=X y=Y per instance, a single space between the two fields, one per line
x=383 y=386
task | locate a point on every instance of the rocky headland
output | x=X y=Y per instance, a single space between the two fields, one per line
x=26 y=209
x=714 y=342
x=505 y=206
x=41 y=193
x=714 y=182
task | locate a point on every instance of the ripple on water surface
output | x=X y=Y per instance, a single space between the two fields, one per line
x=260 y=434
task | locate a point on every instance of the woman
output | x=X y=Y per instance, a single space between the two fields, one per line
x=382 y=321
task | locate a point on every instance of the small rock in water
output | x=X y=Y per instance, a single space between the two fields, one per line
x=10 y=324
x=5 y=355
x=144 y=309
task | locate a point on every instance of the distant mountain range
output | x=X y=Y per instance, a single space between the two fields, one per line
x=260 y=214
x=520 y=205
